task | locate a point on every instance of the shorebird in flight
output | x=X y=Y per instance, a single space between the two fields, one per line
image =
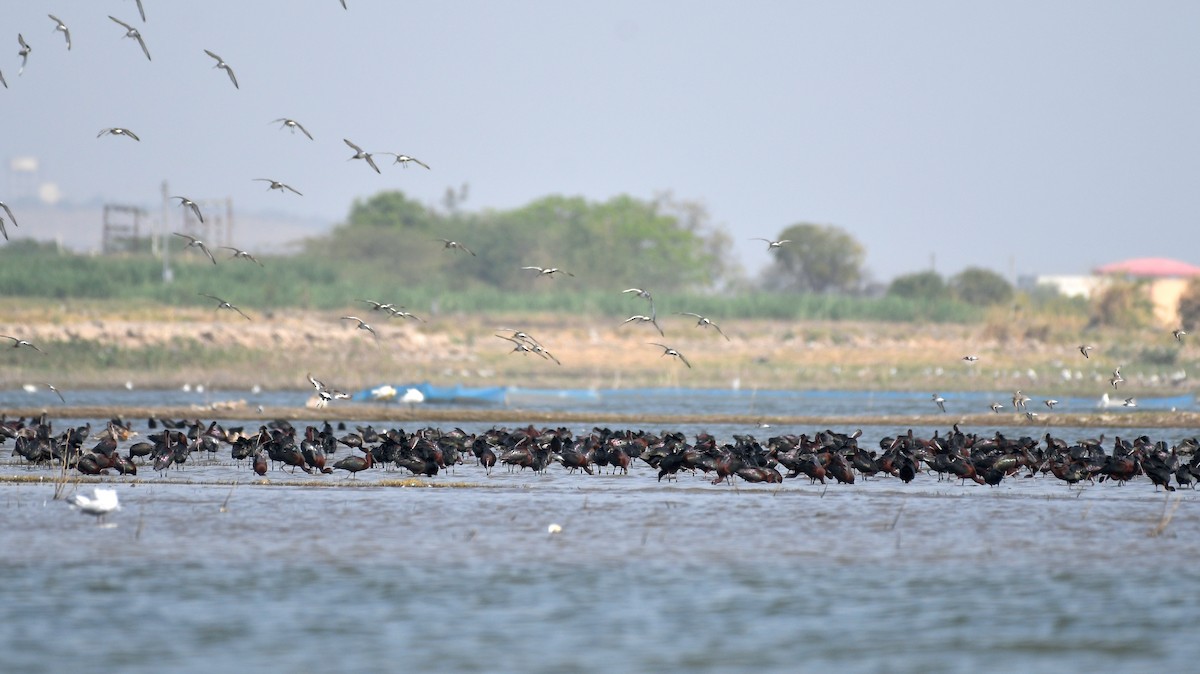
x=276 y=185
x=399 y=312
x=18 y=343
x=378 y=306
x=772 y=245
x=1050 y=403
x=362 y=325
x=970 y=358
x=56 y=392
x=188 y=203
x=1085 y=348
x=404 y=160
x=1032 y=416
x=132 y=32
x=118 y=131
x=1116 y=378
x=519 y=335
x=59 y=25
x=521 y=346
x=222 y=304
x=23 y=53
x=454 y=244
x=360 y=154
x=194 y=242
x=325 y=393
x=1129 y=402
x=645 y=319
x=224 y=66
x=292 y=125
x=704 y=322
x=548 y=271
x=1018 y=401
x=639 y=292
x=668 y=351
x=11 y=217
x=238 y=252
x=1178 y=334
x=939 y=401
x=996 y=407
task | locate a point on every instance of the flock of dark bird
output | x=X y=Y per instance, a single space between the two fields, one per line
x=826 y=455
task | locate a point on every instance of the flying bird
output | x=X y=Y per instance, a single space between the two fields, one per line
x=222 y=304
x=132 y=32
x=1085 y=348
x=645 y=319
x=238 y=252
x=638 y=292
x=141 y=11
x=362 y=325
x=704 y=323
x=56 y=392
x=100 y=503
x=276 y=185
x=399 y=312
x=360 y=154
x=548 y=271
x=224 y=66
x=772 y=245
x=1130 y=402
x=970 y=358
x=23 y=53
x=378 y=306
x=197 y=243
x=1116 y=378
x=996 y=407
x=11 y=217
x=59 y=25
x=455 y=244
x=292 y=125
x=668 y=351
x=1050 y=403
x=188 y=203
x=118 y=131
x=1018 y=401
x=403 y=160
x=1178 y=334
x=18 y=343
x=939 y=401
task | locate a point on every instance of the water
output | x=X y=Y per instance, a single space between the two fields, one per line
x=645 y=577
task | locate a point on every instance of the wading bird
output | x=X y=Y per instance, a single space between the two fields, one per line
x=132 y=32
x=197 y=243
x=224 y=66
x=222 y=304
x=101 y=503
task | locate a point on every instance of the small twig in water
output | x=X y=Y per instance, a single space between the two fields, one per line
x=1168 y=514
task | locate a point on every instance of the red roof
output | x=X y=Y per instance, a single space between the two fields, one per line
x=1150 y=267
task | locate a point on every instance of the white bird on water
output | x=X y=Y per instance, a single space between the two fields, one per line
x=101 y=503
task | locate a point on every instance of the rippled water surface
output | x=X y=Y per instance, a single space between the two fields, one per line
x=316 y=573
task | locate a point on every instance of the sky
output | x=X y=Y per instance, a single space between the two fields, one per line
x=1024 y=137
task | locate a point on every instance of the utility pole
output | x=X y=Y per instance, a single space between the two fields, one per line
x=167 y=274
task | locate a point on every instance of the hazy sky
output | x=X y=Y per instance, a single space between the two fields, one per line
x=1026 y=137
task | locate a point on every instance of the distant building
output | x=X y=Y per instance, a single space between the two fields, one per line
x=1165 y=279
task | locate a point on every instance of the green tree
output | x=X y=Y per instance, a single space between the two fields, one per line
x=922 y=285
x=817 y=259
x=981 y=287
